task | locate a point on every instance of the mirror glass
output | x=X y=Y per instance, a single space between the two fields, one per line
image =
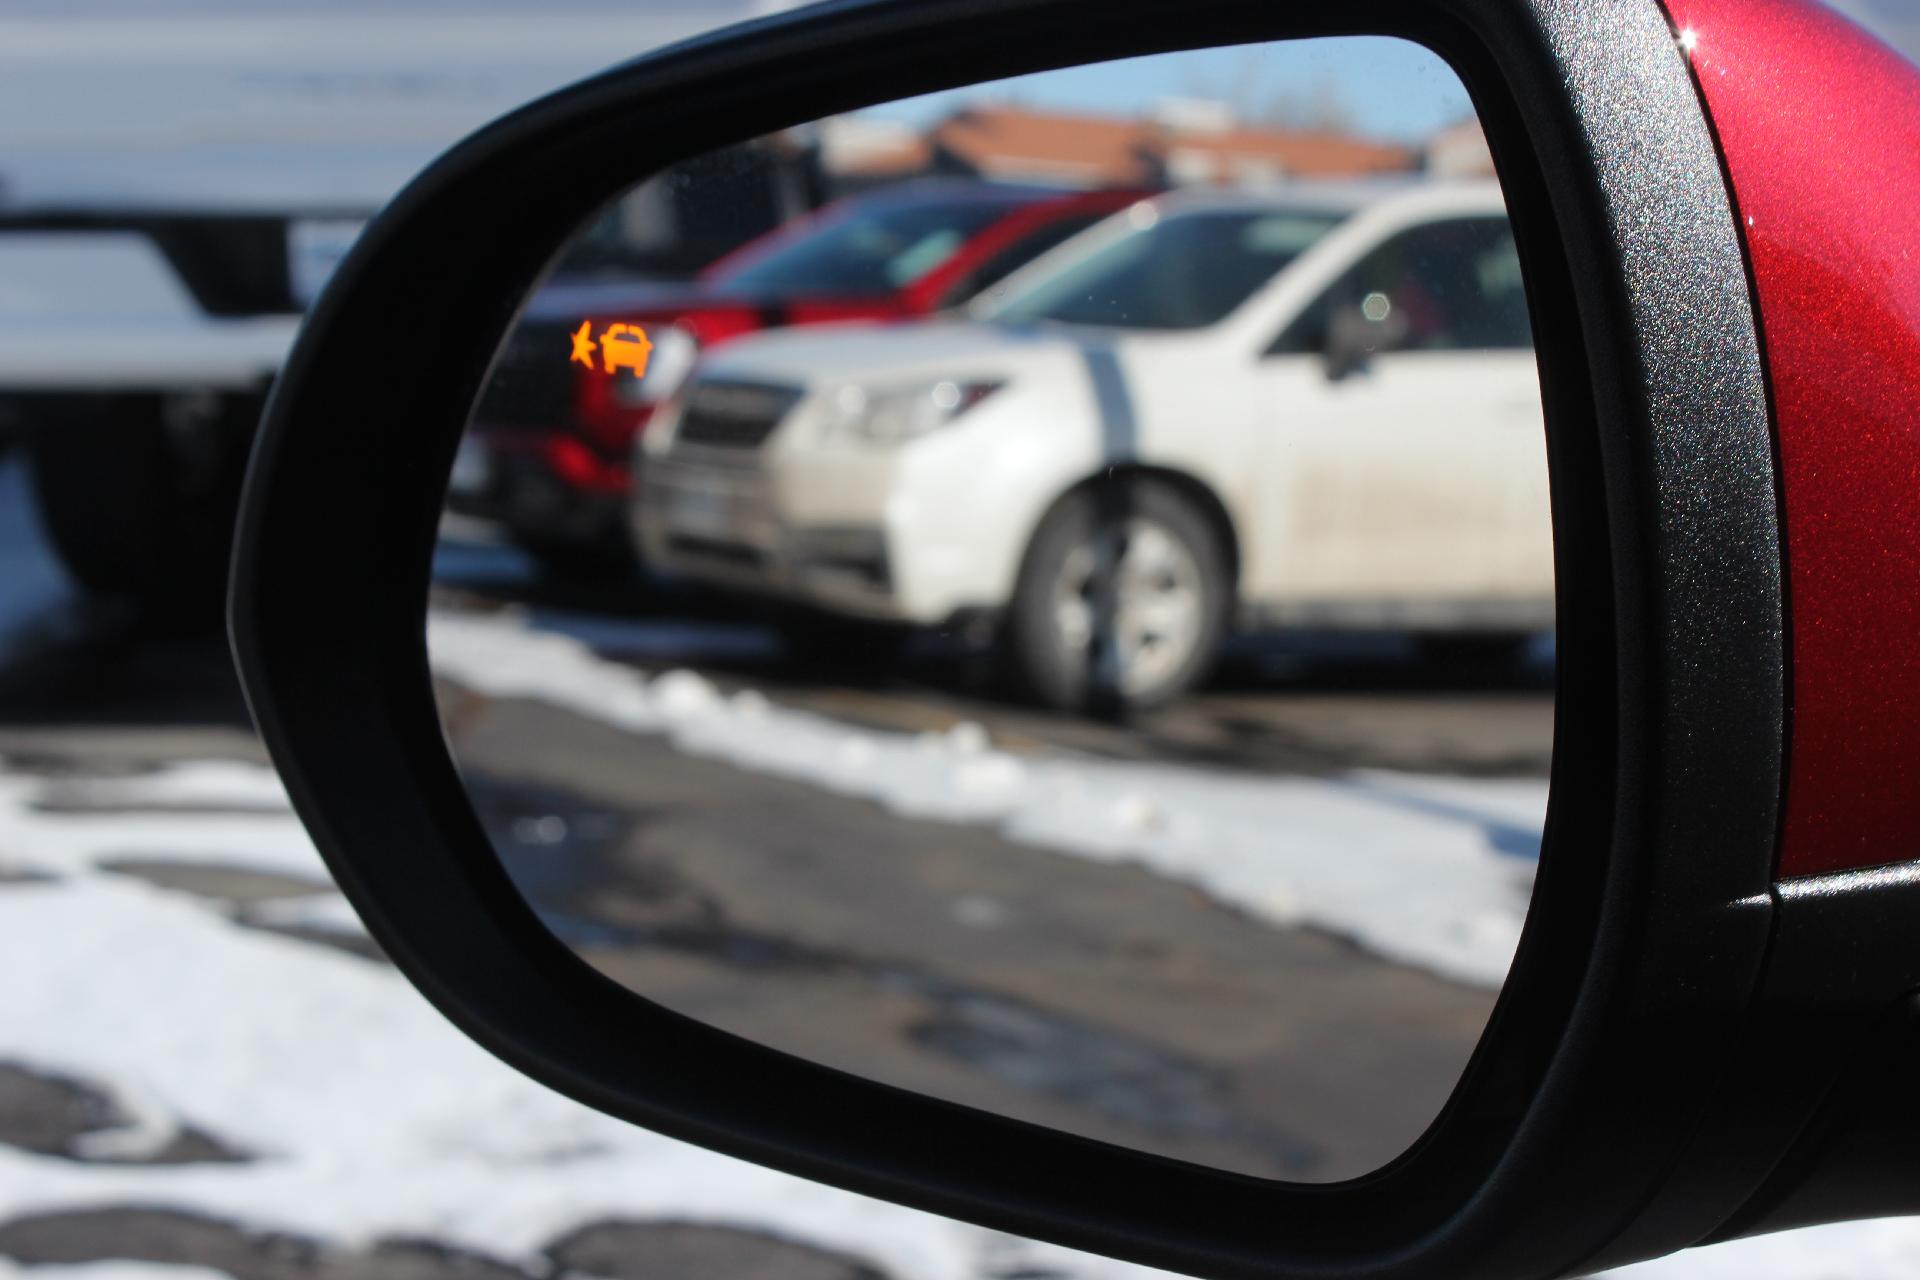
x=1041 y=595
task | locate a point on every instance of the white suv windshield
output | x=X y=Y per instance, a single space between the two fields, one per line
x=1183 y=271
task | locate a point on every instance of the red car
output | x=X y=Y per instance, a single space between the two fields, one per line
x=548 y=449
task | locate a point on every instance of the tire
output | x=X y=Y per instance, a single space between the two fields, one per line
x=1167 y=608
x=126 y=513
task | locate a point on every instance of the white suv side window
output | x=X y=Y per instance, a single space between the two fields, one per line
x=1456 y=283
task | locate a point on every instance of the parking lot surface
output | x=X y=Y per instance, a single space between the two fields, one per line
x=207 y=1068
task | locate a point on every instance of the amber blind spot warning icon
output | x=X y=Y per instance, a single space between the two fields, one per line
x=620 y=345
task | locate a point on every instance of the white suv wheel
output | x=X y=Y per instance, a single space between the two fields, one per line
x=1155 y=609
x=1122 y=599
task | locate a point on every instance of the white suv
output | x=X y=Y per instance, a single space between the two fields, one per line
x=1312 y=406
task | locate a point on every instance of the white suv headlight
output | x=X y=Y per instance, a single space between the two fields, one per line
x=889 y=415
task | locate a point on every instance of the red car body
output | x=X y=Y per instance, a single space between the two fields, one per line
x=1822 y=183
x=557 y=434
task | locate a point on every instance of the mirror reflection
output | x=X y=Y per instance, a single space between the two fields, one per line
x=1040 y=595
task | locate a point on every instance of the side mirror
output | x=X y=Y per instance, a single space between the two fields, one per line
x=1707 y=1027
x=1358 y=332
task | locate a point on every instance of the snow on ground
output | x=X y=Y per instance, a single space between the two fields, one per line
x=109 y=1271
x=161 y=817
x=1888 y=1249
x=369 y=1115
x=1431 y=871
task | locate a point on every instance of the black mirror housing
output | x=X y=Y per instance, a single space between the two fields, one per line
x=1628 y=1001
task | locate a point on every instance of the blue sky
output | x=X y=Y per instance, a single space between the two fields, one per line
x=1389 y=88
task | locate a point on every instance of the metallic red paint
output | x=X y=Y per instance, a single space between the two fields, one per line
x=1820 y=126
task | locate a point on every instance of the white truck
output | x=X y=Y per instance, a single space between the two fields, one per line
x=174 y=189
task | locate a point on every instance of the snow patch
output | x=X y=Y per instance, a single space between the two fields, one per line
x=369 y=1115
x=255 y=835
x=324 y=913
x=117 y=1269
x=1883 y=1249
x=208 y=785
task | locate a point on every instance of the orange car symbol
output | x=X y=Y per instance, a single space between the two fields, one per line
x=625 y=344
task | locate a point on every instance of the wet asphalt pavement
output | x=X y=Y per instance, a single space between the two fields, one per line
x=1101 y=999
